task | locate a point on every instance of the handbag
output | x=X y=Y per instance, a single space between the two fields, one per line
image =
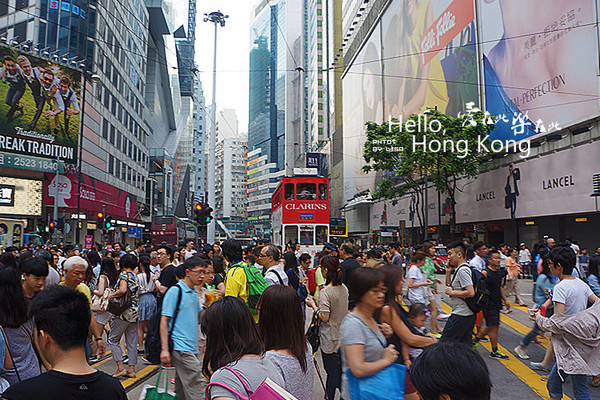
x=268 y=390
x=312 y=334
x=387 y=384
x=118 y=305
x=155 y=393
x=100 y=303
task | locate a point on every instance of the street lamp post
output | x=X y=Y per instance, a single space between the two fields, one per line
x=218 y=18
x=87 y=76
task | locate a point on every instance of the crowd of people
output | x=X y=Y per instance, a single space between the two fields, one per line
x=230 y=317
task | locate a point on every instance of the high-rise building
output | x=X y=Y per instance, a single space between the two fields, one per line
x=276 y=123
x=199 y=142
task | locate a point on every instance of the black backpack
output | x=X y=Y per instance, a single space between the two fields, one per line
x=482 y=294
x=152 y=345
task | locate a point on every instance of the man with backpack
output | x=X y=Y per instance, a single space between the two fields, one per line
x=242 y=280
x=459 y=326
x=491 y=313
x=179 y=330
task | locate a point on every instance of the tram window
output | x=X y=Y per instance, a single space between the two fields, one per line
x=321 y=234
x=289 y=191
x=290 y=234
x=306 y=235
x=322 y=191
x=307 y=191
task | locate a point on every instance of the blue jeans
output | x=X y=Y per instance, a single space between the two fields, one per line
x=579 y=383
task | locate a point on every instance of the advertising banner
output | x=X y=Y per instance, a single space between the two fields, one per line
x=363 y=102
x=420 y=55
x=39 y=114
x=555 y=184
x=94 y=195
x=540 y=63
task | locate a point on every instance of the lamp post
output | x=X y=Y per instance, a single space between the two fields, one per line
x=218 y=18
x=87 y=76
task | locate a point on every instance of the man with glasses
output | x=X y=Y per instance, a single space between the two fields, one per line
x=167 y=278
x=74 y=272
x=273 y=272
x=179 y=320
x=51 y=96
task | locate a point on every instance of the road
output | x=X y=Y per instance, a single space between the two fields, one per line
x=511 y=379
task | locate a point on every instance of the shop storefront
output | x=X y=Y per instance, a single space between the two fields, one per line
x=96 y=197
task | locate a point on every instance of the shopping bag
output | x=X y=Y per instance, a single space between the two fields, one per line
x=387 y=384
x=156 y=393
x=268 y=390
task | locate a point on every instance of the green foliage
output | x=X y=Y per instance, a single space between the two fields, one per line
x=440 y=145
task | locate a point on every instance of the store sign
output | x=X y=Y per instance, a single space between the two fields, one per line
x=91 y=226
x=26 y=195
x=134 y=232
x=89 y=241
x=7 y=195
x=96 y=196
x=554 y=184
x=581 y=219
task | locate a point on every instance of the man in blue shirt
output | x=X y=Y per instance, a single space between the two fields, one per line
x=179 y=321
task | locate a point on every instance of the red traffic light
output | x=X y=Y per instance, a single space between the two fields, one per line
x=51 y=224
x=100 y=215
x=198 y=207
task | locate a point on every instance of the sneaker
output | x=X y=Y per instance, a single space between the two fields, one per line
x=144 y=359
x=436 y=335
x=521 y=353
x=498 y=355
x=169 y=366
x=443 y=317
x=125 y=359
x=539 y=367
x=140 y=351
x=475 y=345
x=93 y=360
x=484 y=339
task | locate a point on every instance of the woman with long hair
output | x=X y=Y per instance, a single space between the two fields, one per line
x=219 y=279
x=281 y=327
x=296 y=276
x=126 y=323
x=419 y=286
x=107 y=280
x=331 y=310
x=95 y=261
x=18 y=330
x=233 y=343
x=146 y=301
x=363 y=343
x=393 y=314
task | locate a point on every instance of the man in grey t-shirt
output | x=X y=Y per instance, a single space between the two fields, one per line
x=459 y=326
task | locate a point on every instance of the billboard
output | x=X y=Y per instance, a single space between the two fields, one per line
x=540 y=64
x=430 y=57
x=94 y=195
x=39 y=114
x=420 y=55
x=20 y=197
x=362 y=102
x=555 y=184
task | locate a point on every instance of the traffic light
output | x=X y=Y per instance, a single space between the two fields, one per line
x=202 y=213
x=52 y=226
x=100 y=220
x=208 y=211
x=107 y=222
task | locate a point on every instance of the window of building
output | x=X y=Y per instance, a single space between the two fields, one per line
x=112 y=134
x=105 y=128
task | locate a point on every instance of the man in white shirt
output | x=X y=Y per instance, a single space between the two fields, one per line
x=478 y=262
x=570 y=296
x=189 y=249
x=269 y=258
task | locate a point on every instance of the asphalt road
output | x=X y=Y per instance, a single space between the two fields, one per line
x=512 y=378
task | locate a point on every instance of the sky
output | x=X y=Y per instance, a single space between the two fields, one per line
x=233 y=49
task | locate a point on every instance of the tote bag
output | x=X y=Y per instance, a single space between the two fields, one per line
x=387 y=384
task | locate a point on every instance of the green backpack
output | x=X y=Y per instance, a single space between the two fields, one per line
x=255 y=283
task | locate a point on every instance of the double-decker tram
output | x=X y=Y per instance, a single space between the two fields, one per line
x=300 y=213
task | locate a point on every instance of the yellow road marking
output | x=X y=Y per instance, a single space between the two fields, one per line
x=139 y=375
x=513 y=364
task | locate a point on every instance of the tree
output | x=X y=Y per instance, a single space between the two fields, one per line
x=442 y=147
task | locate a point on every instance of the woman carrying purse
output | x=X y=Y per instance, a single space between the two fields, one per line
x=126 y=322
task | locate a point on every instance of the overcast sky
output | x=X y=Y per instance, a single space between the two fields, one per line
x=232 y=54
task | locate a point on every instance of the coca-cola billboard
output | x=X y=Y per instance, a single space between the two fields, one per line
x=96 y=196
